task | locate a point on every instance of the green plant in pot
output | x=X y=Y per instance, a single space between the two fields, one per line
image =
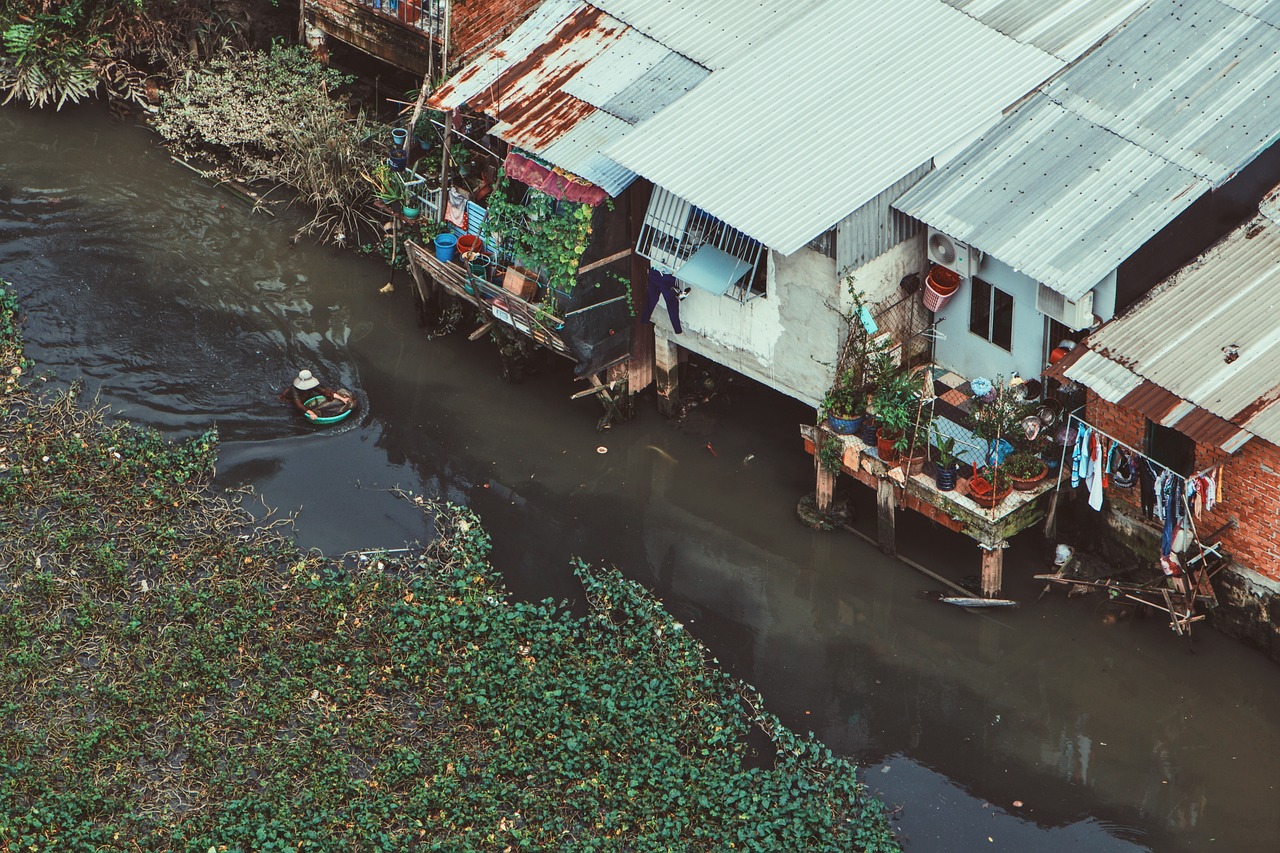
x=843 y=405
x=947 y=463
x=895 y=406
x=998 y=420
x=1025 y=469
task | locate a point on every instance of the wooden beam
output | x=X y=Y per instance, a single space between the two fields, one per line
x=886 y=498
x=482 y=331
x=604 y=262
x=992 y=570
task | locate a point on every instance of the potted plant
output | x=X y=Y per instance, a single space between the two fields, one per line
x=893 y=400
x=997 y=419
x=989 y=486
x=843 y=404
x=1025 y=469
x=947 y=464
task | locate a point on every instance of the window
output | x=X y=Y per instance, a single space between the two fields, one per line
x=991 y=314
x=700 y=249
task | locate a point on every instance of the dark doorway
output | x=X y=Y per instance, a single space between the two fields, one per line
x=1171 y=449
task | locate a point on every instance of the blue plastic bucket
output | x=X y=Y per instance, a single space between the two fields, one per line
x=397 y=159
x=399 y=136
x=445 y=244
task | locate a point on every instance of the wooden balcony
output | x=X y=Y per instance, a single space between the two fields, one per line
x=395 y=31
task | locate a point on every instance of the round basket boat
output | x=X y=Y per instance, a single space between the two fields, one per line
x=328 y=411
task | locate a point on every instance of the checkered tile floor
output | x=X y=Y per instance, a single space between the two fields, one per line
x=953 y=395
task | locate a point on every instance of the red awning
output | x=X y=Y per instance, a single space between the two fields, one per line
x=553 y=182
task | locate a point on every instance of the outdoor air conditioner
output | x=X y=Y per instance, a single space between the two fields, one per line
x=1073 y=315
x=948 y=252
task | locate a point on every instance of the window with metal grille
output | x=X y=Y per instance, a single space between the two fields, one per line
x=700 y=249
x=991 y=314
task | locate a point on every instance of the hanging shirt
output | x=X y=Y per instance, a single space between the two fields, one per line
x=1096 y=466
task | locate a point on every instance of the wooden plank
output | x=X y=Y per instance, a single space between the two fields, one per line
x=482 y=331
x=885 y=501
x=616 y=256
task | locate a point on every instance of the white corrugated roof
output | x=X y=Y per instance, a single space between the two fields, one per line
x=1065 y=28
x=1194 y=81
x=1111 y=381
x=1178 y=336
x=713 y=33
x=1116 y=147
x=838 y=105
x=1054 y=196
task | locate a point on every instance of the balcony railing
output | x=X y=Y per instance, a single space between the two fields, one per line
x=426 y=15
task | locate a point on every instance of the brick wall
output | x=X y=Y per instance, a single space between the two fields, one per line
x=477 y=24
x=1250 y=493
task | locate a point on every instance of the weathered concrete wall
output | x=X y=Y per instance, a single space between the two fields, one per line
x=789 y=339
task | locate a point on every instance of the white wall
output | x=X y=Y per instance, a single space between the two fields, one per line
x=971 y=355
x=790 y=339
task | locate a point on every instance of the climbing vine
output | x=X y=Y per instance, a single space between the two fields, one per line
x=541 y=232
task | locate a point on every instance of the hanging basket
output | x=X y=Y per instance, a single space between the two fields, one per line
x=939 y=286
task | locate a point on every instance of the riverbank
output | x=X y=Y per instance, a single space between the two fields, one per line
x=180 y=677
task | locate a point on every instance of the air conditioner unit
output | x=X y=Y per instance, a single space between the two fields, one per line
x=946 y=251
x=1073 y=315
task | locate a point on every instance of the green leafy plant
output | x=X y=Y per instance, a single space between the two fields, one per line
x=179 y=675
x=831 y=453
x=541 y=233
x=945 y=445
x=862 y=359
x=1023 y=465
x=1000 y=417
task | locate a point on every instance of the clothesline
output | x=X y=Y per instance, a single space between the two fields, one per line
x=1074 y=417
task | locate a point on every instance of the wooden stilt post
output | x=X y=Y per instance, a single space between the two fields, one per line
x=886 y=499
x=826 y=484
x=666 y=359
x=992 y=569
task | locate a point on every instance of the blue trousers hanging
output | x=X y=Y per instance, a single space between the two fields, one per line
x=663 y=285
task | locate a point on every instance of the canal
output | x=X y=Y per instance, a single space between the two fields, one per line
x=1049 y=727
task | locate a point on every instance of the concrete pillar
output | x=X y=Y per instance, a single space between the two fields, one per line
x=886 y=500
x=992 y=569
x=666 y=360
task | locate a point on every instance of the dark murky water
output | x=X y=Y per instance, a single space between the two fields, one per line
x=181 y=309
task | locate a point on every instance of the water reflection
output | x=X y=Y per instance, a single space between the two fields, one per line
x=182 y=309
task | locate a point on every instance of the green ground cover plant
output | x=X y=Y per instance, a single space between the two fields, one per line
x=177 y=676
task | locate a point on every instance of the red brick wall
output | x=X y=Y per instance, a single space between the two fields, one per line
x=476 y=24
x=1250 y=493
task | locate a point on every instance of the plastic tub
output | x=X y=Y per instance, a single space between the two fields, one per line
x=445 y=246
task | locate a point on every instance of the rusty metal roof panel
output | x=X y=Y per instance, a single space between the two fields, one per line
x=1151 y=400
x=581 y=147
x=712 y=33
x=1054 y=196
x=1194 y=81
x=1065 y=28
x=1210 y=334
x=484 y=71
x=840 y=103
x=1110 y=380
x=616 y=67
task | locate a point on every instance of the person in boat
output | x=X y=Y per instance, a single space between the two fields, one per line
x=306 y=388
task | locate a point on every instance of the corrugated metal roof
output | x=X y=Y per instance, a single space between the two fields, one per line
x=780 y=150
x=1118 y=145
x=712 y=33
x=1065 y=28
x=1110 y=380
x=1054 y=196
x=1193 y=81
x=1181 y=336
x=523 y=82
x=656 y=89
x=1263 y=10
